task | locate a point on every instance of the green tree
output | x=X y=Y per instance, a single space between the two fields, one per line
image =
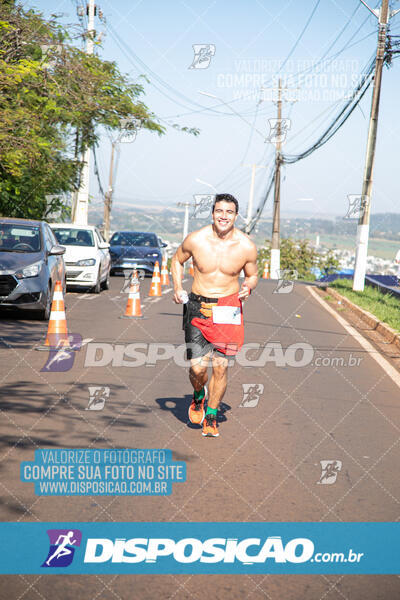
x=53 y=100
x=300 y=256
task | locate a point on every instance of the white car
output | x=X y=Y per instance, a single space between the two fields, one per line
x=86 y=258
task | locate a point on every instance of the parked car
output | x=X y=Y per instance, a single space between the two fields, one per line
x=31 y=261
x=87 y=258
x=135 y=250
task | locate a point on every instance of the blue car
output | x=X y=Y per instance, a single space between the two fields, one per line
x=135 y=250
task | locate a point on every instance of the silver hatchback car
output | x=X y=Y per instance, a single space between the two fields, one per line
x=31 y=262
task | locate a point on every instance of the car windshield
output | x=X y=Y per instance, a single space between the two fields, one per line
x=131 y=238
x=74 y=237
x=19 y=238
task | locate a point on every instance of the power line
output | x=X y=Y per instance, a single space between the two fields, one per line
x=259 y=211
x=96 y=172
x=332 y=107
x=135 y=61
x=329 y=60
x=300 y=36
x=338 y=121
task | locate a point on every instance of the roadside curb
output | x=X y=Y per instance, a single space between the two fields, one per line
x=387 y=332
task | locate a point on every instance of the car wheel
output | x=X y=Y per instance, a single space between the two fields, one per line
x=44 y=314
x=96 y=289
x=106 y=283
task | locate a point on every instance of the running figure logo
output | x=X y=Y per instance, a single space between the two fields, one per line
x=61 y=359
x=330 y=470
x=357 y=206
x=62 y=547
x=286 y=281
x=128 y=278
x=202 y=205
x=97 y=397
x=278 y=129
x=251 y=394
x=203 y=54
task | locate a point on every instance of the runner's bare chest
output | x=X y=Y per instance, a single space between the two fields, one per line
x=224 y=257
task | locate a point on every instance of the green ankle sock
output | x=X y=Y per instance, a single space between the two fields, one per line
x=211 y=411
x=199 y=395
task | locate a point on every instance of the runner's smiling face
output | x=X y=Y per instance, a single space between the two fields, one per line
x=224 y=216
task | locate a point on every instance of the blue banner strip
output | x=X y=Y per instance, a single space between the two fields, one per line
x=236 y=548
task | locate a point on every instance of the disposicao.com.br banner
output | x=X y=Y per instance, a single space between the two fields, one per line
x=154 y=548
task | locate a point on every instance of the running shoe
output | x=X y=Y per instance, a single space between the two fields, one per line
x=196 y=409
x=210 y=426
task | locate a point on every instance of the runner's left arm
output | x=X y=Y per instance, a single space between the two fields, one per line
x=251 y=276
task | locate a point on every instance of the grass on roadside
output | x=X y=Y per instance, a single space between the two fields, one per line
x=385 y=307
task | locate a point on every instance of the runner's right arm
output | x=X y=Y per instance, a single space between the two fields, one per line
x=182 y=254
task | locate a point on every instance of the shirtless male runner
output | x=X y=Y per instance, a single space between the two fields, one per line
x=219 y=252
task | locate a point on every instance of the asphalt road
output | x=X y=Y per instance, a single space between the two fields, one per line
x=265 y=466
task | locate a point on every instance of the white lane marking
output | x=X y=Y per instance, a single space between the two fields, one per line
x=382 y=362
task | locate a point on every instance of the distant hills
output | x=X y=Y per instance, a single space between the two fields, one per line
x=166 y=221
x=382 y=225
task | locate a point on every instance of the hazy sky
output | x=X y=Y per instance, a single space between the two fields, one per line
x=251 y=38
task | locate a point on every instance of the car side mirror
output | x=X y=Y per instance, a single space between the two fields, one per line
x=164 y=245
x=104 y=246
x=57 y=251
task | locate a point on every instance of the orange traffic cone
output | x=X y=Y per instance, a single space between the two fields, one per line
x=133 y=308
x=57 y=332
x=191 y=270
x=265 y=274
x=155 y=289
x=164 y=272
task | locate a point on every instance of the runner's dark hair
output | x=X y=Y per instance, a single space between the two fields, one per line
x=225 y=198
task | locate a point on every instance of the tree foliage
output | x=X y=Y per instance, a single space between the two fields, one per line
x=53 y=99
x=300 y=256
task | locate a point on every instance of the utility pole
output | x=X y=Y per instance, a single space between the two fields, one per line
x=187 y=205
x=81 y=204
x=383 y=15
x=277 y=135
x=127 y=134
x=276 y=219
x=108 y=196
x=251 y=195
x=186 y=218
